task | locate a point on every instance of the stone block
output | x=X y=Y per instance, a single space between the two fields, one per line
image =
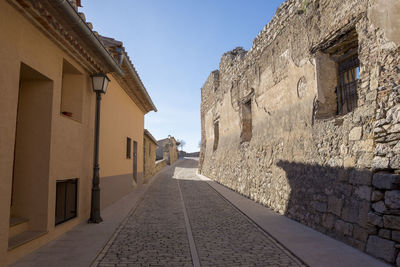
x=343 y=175
x=379 y=207
x=363 y=145
x=375 y=219
x=380 y=163
x=364 y=209
x=360 y=245
x=364 y=160
x=385 y=233
x=392 y=199
x=381 y=149
x=350 y=211
x=391 y=222
x=394 y=129
x=328 y=220
x=349 y=162
x=393 y=115
x=355 y=134
x=380 y=138
x=376 y=196
x=394 y=162
x=386 y=181
x=360 y=177
x=379 y=130
x=344 y=227
x=320 y=206
x=363 y=192
x=380 y=123
x=335 y=205
x=392 y=137
x=396 y=236
x=371 y=96
x=360 y=233
x=396 y=148
x=381 y=248
x=345 y=189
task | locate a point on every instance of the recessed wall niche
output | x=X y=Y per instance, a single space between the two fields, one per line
x=71 y=92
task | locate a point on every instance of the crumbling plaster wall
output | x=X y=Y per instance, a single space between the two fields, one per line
x=325 y=173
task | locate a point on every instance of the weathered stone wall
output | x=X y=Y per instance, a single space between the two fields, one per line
x=173 y=153
x=385 y=197
x=333 y=173
x=160 y=164
x=149 y=155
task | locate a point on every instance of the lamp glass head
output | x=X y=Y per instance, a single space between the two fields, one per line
x=100 y=83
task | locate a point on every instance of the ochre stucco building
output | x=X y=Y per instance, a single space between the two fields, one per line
x=307 y=122
x=47 y=111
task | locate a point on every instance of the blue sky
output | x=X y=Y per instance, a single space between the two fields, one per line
x=174 y=45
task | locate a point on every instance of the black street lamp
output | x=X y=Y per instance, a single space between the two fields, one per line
x=100 y=83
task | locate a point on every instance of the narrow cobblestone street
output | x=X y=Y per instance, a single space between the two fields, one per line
x=178 y=209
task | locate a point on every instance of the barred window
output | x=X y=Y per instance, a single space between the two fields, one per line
x=347 y=97
x=337 y=74
x=128 y=147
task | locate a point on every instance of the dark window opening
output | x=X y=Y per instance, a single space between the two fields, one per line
x=72 y=92
x=128 y=147
x=347 y=97
x=216 y=135
x=338 y=71
x=66 y=200
x=247 y=126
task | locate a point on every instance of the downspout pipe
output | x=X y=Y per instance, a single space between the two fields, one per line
x=79 y=24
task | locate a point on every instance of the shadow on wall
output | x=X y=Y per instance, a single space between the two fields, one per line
x=332 y=200
x=356 y=206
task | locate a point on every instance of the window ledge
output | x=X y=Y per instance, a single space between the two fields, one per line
x=71 y=118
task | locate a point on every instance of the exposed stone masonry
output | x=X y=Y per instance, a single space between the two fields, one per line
x=337 y=174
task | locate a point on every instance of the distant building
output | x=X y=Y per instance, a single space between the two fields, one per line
x=167 y=149
x=186 y=154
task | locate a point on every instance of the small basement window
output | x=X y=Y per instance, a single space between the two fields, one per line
x=216 y=135
x=72 y=92
x=128 y=147
x=66 y=200
x=247 y=126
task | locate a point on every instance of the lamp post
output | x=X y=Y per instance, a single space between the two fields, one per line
x=100 y=83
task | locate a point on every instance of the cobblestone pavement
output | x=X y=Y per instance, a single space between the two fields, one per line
x=155 y=234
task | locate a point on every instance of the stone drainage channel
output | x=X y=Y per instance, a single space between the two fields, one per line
x=183 y=221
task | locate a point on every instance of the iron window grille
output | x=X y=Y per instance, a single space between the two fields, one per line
x=347 y=96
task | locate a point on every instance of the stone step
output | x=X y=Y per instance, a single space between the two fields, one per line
x=22 y=238
x=18 y=225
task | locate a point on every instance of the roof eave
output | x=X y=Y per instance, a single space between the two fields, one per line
x=147 y=99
